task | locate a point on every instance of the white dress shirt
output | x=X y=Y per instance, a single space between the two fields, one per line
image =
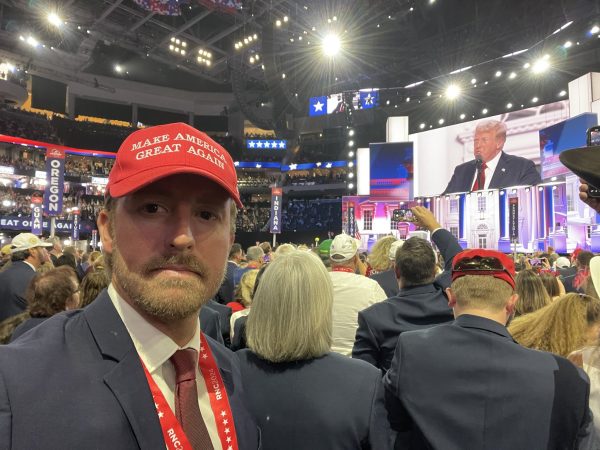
x=489 y=171
x=155 y=348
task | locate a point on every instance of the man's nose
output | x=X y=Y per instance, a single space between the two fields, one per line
x=182 y=237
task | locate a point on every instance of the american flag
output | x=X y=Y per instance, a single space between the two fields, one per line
x=163 y=7
x=356 y=231
x=228 y=6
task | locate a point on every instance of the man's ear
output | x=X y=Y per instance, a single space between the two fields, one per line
x=511 y=305
x=451 y=298
x=104 y=228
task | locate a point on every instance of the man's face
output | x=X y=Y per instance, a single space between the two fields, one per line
x=40 y=254
x=487 y=145
x=169 y=245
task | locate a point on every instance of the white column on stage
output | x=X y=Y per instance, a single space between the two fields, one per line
x=396 y=129
x=584 y=94
x=363 y=171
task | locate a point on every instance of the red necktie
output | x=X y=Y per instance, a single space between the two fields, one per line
x=186 y=399
x=476 y=186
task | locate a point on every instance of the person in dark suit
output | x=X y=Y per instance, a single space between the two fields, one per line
x=224 y=313
x=136 y=356
x=225 y=293
x=303 y=395
x=28 y=253
x=421 y=301
x=469 y=385
x=387 y=278
x=499 y=170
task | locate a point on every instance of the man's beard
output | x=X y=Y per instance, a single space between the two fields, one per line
x=167 y=299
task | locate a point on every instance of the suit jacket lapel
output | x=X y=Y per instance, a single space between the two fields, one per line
x=468 y=178
x=126 y=379
x=499 y=173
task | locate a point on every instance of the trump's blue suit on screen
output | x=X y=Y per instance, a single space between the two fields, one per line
x=76 y=381
x=511 y=171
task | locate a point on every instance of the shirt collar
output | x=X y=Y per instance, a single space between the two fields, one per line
x=153 y=346
x=494 y=162
x=30 y=265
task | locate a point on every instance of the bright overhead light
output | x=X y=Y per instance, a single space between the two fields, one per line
x=567 y=44
x=421 y=126
x=32 y=41
x=526 y=65
x=54 y=19
x=350 y=143
x=351 y=186
x=351 y=133
x=595 y=29
x=484 y=111
x=562 y=93
x=512 y=75
x=331 y=45
x=118 y=68
x=453 y=91
x=278 y=23
x=534 y=100
x=498 y=73
x=541 y=65
x=462 y=116
x=351 y=175
x=509 y=105
x=441 y=121
x=350 y=154
x=285 y=18
x=428 y=93
x=283 y=75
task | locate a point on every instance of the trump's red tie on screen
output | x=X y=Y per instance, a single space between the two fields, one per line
x=476 y=186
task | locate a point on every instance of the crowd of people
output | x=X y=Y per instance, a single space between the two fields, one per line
x=417 y=344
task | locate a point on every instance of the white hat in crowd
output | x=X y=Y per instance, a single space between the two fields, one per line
x=25 y=241
x=343 y=248
x=562 y=262
x=394 y=249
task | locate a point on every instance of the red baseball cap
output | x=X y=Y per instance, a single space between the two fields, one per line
x=153 y=153
x=484 y=262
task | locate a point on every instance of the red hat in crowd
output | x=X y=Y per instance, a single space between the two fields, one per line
x=484 y=262
x=149 y=154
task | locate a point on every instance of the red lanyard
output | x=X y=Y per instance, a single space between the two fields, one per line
x=343 y=269
x=173 y=434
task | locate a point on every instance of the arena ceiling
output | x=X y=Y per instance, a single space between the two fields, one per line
x=409 y=47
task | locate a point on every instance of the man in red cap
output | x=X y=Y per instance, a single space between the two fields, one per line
x=469 y=385
x=136 y=359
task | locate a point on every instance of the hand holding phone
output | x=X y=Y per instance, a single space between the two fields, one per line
x=593 y=139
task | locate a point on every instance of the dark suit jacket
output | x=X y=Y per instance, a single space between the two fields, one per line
x=224 y=312
x=328 y=403
x=210 y=323
x=85 y=367
x=13 y=284
x=388 y=282
x=567 y=276
x=468 y=385
x=413 y=308
x=225 y=294
x=30 y=323
x=511 y=171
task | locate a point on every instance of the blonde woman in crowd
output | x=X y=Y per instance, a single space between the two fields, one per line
x=566 y=325
x=302 y=395
x=532 y=294
x=378 y=260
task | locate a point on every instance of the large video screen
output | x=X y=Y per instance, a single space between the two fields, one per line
x=570 y=133
x=334 y=103
x=391 y=169
x=439 y=151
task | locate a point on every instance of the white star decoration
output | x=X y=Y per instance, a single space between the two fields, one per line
x=225 y=421
x=228 y=439
x=368 y=99
x=259 y=144
x=293 y=166
x=251 y=144
x=160 y=414
x=223 y=413
x=226 y=430
x=319 y=106
x=328 y=165
x=282 y=144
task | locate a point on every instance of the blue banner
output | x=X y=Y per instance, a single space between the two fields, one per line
x=260 y=144
x=55 y=177
x=369 y=99
x=15 y=223
x=36 y=216
x=317 y=106
x=276 y=198
x=76 y=225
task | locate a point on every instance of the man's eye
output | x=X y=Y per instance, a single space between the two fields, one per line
x=151 y=208
x=206 y=215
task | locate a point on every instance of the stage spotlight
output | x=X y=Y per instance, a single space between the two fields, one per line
x=452 y=91
x=595 y=29
x=351 y=133
x=351 y=164
x=509 y=105
x=534 y=100
x=54 y=19
x=567 y=44
x=473 y=80
x=512 y=75
x=350 y=154
x=421 y=126
x=331 y=45
x=278 y=23
x=562 y=93
x=351 y=186
x=351 y=175
x=118 y=68
x=441 y=121
x=462 y=116
x=350 y=143
x=498 y=73
x=541 y=65
x=32 y=41
x=484 y=111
